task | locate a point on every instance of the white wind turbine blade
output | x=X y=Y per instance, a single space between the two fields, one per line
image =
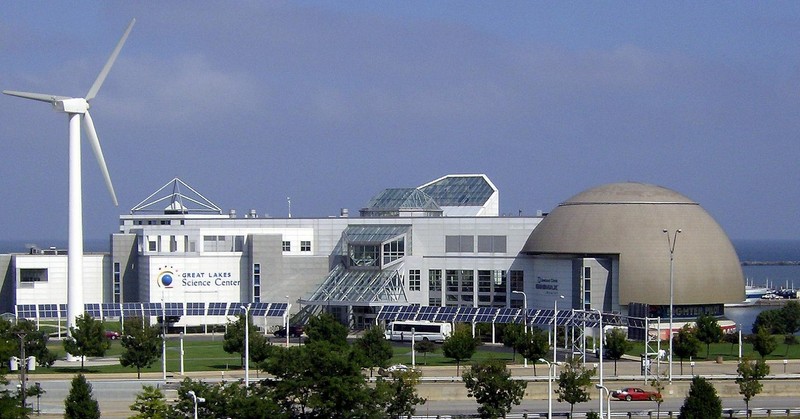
x=98 y=152
x=106 y=68
x=42 y=97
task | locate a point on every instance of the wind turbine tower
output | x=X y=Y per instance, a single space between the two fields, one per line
x=77 y=109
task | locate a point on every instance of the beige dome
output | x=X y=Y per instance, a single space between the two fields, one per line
x=627 y=220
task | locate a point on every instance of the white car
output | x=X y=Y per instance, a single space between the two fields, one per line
x=397 y=367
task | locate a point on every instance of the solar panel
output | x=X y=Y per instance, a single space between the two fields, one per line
x=217 y=309
x=466 y=315
x=485 y=315
x=93 y=309
x=428 y=313
x=195 y=309
x=259 y=309
x=235 y=309
x=26 y=311
x=110 y=310
x=174 y=309
x=48 y=311
x=152 y=309
x=276 y=310
x=563 y=317
x=389 y=313
x=507 y=315
x=132 y=309
x=408 y=313
x=446 y=314
x=542 y=317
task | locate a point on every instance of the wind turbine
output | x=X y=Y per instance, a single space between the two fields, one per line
x=77 y=109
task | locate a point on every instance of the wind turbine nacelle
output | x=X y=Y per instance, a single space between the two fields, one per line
x=74 y=105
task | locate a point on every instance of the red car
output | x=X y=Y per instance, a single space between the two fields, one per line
x=634 y=393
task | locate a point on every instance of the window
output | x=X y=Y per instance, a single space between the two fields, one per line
x=491 y=244
x=451 y=276
x=305 y=245
x=484 y=281
x=587 y=272
x=414 y=280
x=435 y=301
x=467 y=282
x=517 y=280
x=32 y=275
x=435 y=280
x=173 y=244
x=459 y=244
x=394 y=250
x=364 y=255
x=257 y=282
x=117 y=283
x=286 y=246
x=152 y=245
x=499 y=281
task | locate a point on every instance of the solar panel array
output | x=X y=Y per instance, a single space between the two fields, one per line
x=495 y=315
x=115 y=310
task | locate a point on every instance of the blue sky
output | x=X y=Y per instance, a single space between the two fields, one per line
x=330 y=102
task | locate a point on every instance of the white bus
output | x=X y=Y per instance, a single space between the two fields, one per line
x=423 y=330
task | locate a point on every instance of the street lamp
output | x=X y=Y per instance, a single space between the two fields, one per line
x=608 y=398
x=287 y=314
x=555 y=327
x=525 y=309
x=246 y=309
x=181 y=353
x=196 y=400
x=413 y=352
x=550 y=373
x=602 y=338
x=671 y=247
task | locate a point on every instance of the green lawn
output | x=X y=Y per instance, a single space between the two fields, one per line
x=207 y=355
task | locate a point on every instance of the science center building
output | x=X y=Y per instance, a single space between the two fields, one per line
x=442 y=244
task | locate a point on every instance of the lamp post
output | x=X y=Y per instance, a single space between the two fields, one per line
x=602 y=338
x=181 y=353
x=525 y=310
x=195 y=400
x=550 y=373
x=287 y=314
x=246 y=309
x=608 y=398
x=555 y=327
x=671 y=246
x=413 y=352
x=163 y=339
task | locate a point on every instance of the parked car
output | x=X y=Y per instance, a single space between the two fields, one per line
x=110 y=334
x=294 y=331
x=634 y=393
x=397 y=367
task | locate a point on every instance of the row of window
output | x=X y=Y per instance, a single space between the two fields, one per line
x=305 y=246
x=463 y=281
x=466 y=244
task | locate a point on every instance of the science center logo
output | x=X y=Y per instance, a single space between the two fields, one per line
x=166 y=278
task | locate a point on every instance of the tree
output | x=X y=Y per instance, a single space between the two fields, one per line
x=533 y=345
x=573 y=384
x=685 y=344
x=374 y=349
x=657 y=382
x=459 y=346
x=772 y=320
x=708 y=331
x=225 y=400
x=150 y=404
x=702 y=401
x=616 y=345
x=490 y=383
x=325 y=327
x=140 y=346
x=88 y=338
x=512 y=333
x=80 y=404
x=763 y=342
x=424 y=347
x=399 y=394
x=791 y=316
x=750 y=374
x=35 y=342
x=234 y=337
